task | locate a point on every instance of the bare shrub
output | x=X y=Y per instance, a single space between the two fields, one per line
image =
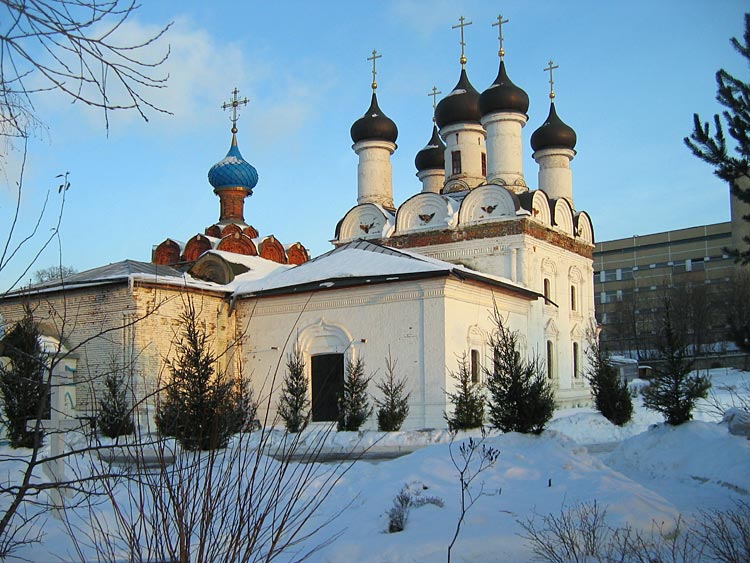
x=725 y=534
x=410 y=496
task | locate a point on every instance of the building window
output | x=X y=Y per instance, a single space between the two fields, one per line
x=456 y=161
x=576 y=365
x=484 y=164
x=550 y=361
x=475 y=366
x=573 y=304
x=547 y=289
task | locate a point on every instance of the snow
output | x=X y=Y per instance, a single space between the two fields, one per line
x=644 y=473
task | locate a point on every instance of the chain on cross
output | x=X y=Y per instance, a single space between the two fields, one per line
x=463 y=23
x=499 y=23
x=549 y=69
x=234 y=104
x=374 y=58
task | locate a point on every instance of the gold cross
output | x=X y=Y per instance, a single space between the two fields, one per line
x=434 y=95
x=374 y=57
x=463 y=23
x=550 y=68
x=234 y=103
x=499 y=23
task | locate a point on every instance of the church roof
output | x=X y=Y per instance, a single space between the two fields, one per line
x=233 y=171
x=364 y=263
x=111 y=273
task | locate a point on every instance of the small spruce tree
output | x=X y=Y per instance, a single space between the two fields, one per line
x=674 y=390
x=294 y=403
x=610 y=391
x=22 y=381
x=521 y=397
x=115 y=415
x=198 y=406
x=394 y=407
x=467 y=401
x=354 y=405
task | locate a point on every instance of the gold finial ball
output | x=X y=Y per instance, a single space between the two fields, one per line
x=463 y=60
x=234 y=130
x=551 y=95
x=374 y=85
x=501 y=52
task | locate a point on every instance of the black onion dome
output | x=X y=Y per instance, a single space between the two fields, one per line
x=433 y=155
x=503 y=95
x=553 y=133
x=374 y=124
x=460 y=106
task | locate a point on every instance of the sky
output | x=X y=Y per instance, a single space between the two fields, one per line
x=631 y=76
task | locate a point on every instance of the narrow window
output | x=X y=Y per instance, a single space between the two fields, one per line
x=546 y=289
x=456 y=160
x=573 y=298
x=550 y=362
x=484 y=164
x=576 y=367
x=475 y=366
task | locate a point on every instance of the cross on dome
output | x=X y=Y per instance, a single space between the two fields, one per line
x=549 y=69
x=374 y=57
x=434 y=95
x=463 y=23
x=499 y=23
x=234 y=104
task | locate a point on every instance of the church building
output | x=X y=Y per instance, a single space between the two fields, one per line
x=416 y=283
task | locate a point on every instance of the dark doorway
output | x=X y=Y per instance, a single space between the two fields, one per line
x=327 y=383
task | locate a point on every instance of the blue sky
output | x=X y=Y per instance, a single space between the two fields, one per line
x=631 y=75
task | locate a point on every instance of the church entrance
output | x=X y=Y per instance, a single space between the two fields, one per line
x=327 y=384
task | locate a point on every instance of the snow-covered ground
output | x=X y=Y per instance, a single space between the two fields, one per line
x=644 y=473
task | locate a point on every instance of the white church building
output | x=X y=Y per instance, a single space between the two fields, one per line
x=415 y=282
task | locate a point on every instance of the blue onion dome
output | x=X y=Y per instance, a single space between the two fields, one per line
x=460 y=106
x=553 y=133
x=233 y=171
x=503 y=96
x=433 y=155
x=375 y=125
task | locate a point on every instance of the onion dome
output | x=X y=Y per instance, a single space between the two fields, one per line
x=233 y=171
x=503 y=95
x=460 y=106
x=433 y=155
x=374 y=124
x=553 y=133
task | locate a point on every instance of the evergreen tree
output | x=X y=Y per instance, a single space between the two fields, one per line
x=521 y=397
x=294 y=403
x=610 y=391
x=673 y=390
x=734 y=95
x=115 y=415
x=467 y=401
x=354 y=405
x=22 y=381
x=394 y=407
x=198 y=406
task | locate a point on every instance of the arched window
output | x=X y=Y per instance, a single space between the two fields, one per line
x=456 y=161
x=547 y=289
x=573 y=303
x=576 y=360
x=474 y=366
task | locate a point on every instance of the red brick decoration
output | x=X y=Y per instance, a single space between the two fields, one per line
x=489 y=230
x=250 y=231
x=238 y=243
x=195 y=247
x=271 y=249
x=231 y=230
x=167 y=253
x=213 y=231
x=297 y=254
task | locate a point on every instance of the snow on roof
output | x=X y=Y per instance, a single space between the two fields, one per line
x=363 y=262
